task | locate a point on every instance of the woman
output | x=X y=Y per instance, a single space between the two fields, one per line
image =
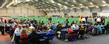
x=23 y=37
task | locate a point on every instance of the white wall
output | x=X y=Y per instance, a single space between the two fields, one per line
x=71 y=13
x=20 y=11
x=31 y=11
x=86 y=12
x=105 y=12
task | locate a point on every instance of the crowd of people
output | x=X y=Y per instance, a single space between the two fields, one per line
x=33 y=32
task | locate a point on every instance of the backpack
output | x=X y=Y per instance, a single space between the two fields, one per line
x=70 y=30
x=23 y=38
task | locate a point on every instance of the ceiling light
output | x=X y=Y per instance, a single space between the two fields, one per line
x=52 y=1
x=72 y=5
x=81 y=4
x=65 y=7
x=104 y=2
x=36 y=0
x=74 y=0
x=97 y=6
x=91 y=3
x=59 y=4
x=28 y=0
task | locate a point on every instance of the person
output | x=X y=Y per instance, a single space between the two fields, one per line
x=50 y=34
x=75 y=28
x=34 y=39
x=23 y=37
x=17 y=34
x=107 y=28
x=70 y=34
x=98 y=20
x=82 y=31
x=99 y=28
x=32 y=27
x=53 y=26
x=83 y=20
x=63 y=32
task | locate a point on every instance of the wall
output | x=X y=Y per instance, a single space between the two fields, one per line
x=20 y=11
x=86 y=12
x=31 y=11
x=105 y=12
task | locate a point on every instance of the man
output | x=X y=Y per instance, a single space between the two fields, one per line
x=98 y=20
x=83 y=20
x=17 y=32
x=75 y=28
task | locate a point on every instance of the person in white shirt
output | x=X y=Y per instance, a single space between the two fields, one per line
x=32 y=27
x=83 y=19
x=18 y=30
x=75 y=27
x=98 y=19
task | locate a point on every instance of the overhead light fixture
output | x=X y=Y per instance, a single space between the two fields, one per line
x=91 y=3
x=72 y=5
x=103 y=1
x=65 y=7
x=36 y=0
x=105 y=5
x=81 y=4
x=74 y=0
x=52 y=1
x=28 y=0
x=97 y=6
x=59 y=4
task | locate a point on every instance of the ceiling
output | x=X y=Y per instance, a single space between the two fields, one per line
x=1 y=2
x=64 y=4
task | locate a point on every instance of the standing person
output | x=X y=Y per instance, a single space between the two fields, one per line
x=83 y=20
x=2 y=31
x=34 y=38
x=82 y=31
x=98 y=20
x=23 y=37
x=17 y=34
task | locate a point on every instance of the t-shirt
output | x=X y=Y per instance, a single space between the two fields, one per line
x=83 y=19
x=31 y=27
x=17 y=31
x=98 y=20
x=75 y=27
